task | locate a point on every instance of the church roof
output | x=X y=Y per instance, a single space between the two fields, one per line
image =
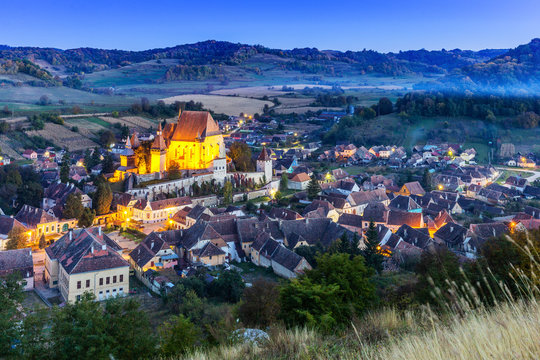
x=159 y=141
x=194 y=125
x=134 y=141
x=265 y=155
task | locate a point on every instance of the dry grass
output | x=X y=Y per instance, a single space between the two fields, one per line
x=467 y=330
x=510 y=331
x=62 y=136
x=230 y=105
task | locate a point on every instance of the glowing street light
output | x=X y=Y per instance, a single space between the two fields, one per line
x=441 y=187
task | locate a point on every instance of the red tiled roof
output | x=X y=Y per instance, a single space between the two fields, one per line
x=193 y=125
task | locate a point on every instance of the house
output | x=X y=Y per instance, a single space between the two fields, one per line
x=40 y=222
x=453 y=235
x=268 y=252
x=527 y=224
x=525 y=162
x=489 y=230
x=86 y=260
x=321 y=209
x=30 y=154
x=158 y=210
x=57 y=194
x=516 y=182
x=8 y=223
x=534 y=212
x=405 y=203
x=397 y=218
x=412 y=188
x=351 y=222
x=283 y=214
x=299 y=181
x=18 y=261
x=152 y=253
x=359 y=200
x=288 y=264
x=416 y=237
x=531 y=192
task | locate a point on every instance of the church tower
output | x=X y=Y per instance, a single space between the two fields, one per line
x=264 y=164
x=158 y=153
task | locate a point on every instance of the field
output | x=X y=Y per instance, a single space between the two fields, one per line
x=62 y=136
x=130 y=121
x=7 y=149
x=230 y=105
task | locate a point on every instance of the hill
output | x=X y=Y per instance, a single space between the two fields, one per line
x=516 y=71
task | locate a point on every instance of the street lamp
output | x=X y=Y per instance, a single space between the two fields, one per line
x=441 y=187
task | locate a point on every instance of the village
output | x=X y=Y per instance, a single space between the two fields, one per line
x=178 y=200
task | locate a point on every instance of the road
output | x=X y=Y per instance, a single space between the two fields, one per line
x=535 y=176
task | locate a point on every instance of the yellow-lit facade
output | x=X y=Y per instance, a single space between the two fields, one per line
x=192 y=143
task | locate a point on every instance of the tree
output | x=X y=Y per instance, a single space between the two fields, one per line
x=368 y=113
x=351 y=275
x=18 y=239
x=227 y=193
x=87 y=218
x=427 y=180
x=304 y=303
x=327 y=297
x=313 y=188
x=42 y=242
x=64 y=168
x=103 y=198
x=30 y=193
x=86 y=330
x=227 y=287
x=44 y=100
x=345 y=246
x=385 y=106
x=129 y=328
x=436 y=270
x=372 y=253
x=73 y=208
x=108 y=164
x=107 y=138
x=240 y=153
x=11 y=296
x=178 y=335
x=284 y=182
x=260 y=306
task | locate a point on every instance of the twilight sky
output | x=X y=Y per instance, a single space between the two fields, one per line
x=383 y=25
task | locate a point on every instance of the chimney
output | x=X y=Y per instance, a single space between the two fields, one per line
x=104 y=247
x=451 y=228
x=70 y=234
x=92 y=248
x=152 y=245
x=99 y=230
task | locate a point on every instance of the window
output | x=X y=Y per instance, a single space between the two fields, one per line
x=78 y=284
x=87 y=283
x=108 y=280
x=100 y=281
x=121 y=278
x=114 y=279
x=55 y=282
x=210 y=257
x=78 y=297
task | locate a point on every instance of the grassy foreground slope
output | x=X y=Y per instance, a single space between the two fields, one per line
x=509 y=331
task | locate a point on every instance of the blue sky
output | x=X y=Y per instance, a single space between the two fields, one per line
x=383 y=25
